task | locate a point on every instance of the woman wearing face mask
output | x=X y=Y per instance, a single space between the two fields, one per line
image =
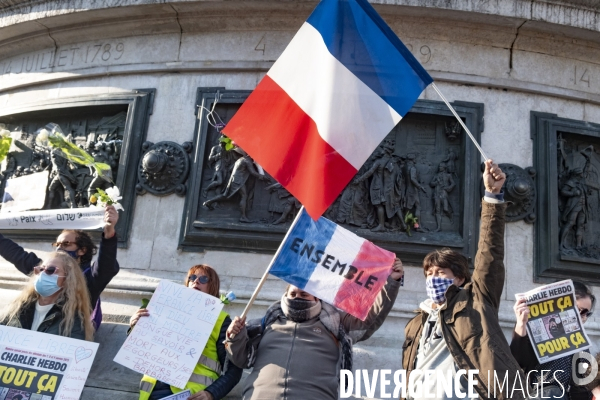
x=55 y=300
x=79 y=245
x=557 y=378
x=299 y=347
x=214 y=376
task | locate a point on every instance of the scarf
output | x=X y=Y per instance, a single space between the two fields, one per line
x=300 y=310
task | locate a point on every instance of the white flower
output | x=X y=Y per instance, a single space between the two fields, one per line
x=114 y=194
x=113 y=197
x=42 y=137
x=4 y=132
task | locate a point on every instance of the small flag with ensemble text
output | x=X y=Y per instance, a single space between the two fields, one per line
x=333 y=264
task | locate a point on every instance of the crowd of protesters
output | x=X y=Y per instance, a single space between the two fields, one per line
x=296 y=351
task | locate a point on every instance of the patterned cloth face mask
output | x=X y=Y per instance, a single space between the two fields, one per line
x=436 y=288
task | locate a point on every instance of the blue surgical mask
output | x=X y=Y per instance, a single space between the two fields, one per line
x=72 y=253
x=436 y=288
x=46 y=285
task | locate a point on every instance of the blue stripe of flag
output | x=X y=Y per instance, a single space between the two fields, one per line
x=289 y=265
x=361 y=40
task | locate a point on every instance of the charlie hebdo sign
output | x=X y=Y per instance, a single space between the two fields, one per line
x=40 y=366
x=554 y=327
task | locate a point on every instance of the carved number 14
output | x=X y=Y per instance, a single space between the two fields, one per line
x=584 y=77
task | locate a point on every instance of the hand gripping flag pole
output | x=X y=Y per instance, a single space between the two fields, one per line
x=460 y=121
x=264 y=277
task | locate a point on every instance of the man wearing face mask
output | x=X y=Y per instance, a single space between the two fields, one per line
x=457 y=328
x=79 y=245
x=299 y=347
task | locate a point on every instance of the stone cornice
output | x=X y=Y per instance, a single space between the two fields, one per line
x=583 y=14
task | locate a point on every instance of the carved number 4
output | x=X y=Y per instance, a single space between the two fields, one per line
x=261 y=45
x=585 y=77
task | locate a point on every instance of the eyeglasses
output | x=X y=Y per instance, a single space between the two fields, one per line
x=585 y=313
x=201 y=278
x=65 y=243
x=48 y=270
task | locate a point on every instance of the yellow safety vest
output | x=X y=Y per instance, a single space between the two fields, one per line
x=207 y=370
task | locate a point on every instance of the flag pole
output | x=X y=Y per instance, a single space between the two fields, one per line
x=264 y=277
x=485 y=157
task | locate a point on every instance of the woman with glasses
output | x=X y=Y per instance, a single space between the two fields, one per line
x=557 y=377
x=79 y=245
x=214 y=376
x=55 y=300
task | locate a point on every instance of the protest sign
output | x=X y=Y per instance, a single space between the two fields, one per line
x=65 y=218
x=26 y=192
x=167 y=344
x=554 y=327
x=179 y=396
x=40 y=366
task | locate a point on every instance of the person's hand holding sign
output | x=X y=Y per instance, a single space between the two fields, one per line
x=397 y=270
x=522 y=313
x=202 y=395
x=142 y=312
x=493 y=177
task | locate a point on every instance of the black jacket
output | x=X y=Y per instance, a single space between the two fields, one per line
x=50 y=324
x=97 y=274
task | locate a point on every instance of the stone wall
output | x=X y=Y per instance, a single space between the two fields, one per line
x=513 y=56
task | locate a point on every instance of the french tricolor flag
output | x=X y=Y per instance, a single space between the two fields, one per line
x=344 y=81
x=333 y=264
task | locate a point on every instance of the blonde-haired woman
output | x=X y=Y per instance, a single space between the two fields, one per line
x=214 y=375
x=56 y=300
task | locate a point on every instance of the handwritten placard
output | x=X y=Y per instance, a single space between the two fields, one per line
x=167 y=344
x=38 y=365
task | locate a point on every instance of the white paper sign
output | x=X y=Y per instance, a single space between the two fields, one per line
x=41 y=366
x=167 y=344
x=26 y=192
x=64 y=218
x=179 y=396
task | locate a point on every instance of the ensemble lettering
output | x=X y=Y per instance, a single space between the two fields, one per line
x=331 y=263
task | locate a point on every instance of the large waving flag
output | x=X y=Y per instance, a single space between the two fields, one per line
x=333 y=264
x=344 y=81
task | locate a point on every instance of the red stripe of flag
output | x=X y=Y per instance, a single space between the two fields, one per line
x=352 y=296
x=271 y=127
